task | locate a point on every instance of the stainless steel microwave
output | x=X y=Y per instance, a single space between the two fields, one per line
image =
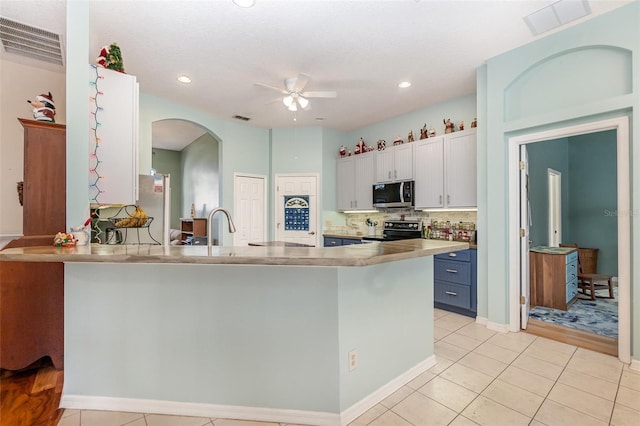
x=394 y=194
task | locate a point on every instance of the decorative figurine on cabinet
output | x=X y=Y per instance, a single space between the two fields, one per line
x=43 y=108
x=410 y=136
x=461 y=125
x=424 y=132
x=357 y=150
x=361 y=146
x=474 y=123
x=432 y=132
x=398 y=141
x=382 y=144
x=449 y=127
x=343 y=151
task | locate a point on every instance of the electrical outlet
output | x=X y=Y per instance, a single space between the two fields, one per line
x=353 y=360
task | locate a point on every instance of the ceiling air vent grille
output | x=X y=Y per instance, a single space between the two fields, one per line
x=240 y=117
x=35 y=43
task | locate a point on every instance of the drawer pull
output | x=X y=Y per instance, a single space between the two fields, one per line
x=453 y=271
x=451 y=293
x=453 y=255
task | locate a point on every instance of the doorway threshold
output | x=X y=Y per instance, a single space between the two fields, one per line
x=582 y=339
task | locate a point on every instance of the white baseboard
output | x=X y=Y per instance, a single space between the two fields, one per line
x=360 y=407
x=172 y=408
x=482 y=320
x=502 y=328
x=635 y=364
x=80 y=402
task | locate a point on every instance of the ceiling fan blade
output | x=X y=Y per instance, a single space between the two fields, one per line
x=300 y=82
x=325 y=94
x=271 y=87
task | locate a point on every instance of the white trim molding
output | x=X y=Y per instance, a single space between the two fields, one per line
x=621 y=126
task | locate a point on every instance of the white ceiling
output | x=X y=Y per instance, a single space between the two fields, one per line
x=361 y=48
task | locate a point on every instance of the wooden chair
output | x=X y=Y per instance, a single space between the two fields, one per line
x=592 y=281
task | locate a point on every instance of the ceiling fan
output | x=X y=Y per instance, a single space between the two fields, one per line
x=295 y=97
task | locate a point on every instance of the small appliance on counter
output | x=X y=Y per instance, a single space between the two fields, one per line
x=394 y=230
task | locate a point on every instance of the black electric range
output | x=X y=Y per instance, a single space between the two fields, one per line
x=394 y=230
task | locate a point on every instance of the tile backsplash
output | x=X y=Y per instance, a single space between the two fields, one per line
x=356 y=222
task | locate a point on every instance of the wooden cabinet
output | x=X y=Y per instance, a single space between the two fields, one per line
x=354 y=182
x=194 y=230
x=45 y=178
x=445 y=171
x=32 y=294
x=395 y=163
x=553 y=277
x=455 y=282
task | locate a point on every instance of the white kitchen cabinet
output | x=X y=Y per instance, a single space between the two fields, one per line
x=461 y=166
x=395 y=163
x=113 y=137
x=445 y=171
x=429 y=173
x=354 y=182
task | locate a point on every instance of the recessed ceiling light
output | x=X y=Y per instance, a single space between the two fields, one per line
x=244 y=3
x=404 y=84
x=184 y=79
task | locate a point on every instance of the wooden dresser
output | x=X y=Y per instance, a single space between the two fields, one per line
x=32 y=294
x=553 y=276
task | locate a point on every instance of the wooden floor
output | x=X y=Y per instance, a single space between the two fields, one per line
x=594 y=342
x=31 y=397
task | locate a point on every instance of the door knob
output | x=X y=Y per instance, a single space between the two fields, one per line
x=312 y=233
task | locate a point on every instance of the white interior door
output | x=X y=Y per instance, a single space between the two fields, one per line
x=250 y=207
x=525 y=290
x=555 y=207
x=297 y=208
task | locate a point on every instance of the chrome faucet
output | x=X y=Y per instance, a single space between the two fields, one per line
x=232 y=227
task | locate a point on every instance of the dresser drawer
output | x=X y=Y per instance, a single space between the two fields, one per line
x=572 y=270
x=572 y=257
x=572 y=289
x=452 y=294
x=464 y=255
x=455 y=272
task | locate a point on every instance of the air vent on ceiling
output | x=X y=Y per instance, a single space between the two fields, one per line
x=240 y=117
x=35 y=43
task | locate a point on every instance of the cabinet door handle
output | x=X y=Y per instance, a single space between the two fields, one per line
x=440 y=199
x=395 y=174
x=451 y=293
x=389 y=174
x=453 y=271
x=355 y=204
x=448 y=199
x=453 y=255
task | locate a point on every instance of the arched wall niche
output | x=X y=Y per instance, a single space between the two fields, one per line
x=569 y=78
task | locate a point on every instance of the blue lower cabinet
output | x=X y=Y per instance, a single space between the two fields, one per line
x=455 y=282
x=333 y=242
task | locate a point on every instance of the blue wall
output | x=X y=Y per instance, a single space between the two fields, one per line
x=593 y=197
x=542 y=156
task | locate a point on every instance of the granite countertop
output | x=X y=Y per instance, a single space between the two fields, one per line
x=352 y=255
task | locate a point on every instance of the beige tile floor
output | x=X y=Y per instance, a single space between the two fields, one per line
x=482 y=377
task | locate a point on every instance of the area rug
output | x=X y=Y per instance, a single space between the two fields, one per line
x=598 y=316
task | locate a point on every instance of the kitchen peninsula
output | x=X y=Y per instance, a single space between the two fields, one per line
x=290 y=334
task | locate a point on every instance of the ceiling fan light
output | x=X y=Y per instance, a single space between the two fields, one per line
x=245 y=3
x=293 y=106
x=287 y=101
x=304 y=102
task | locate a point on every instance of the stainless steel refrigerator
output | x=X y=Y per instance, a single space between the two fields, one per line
x=154 y=196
